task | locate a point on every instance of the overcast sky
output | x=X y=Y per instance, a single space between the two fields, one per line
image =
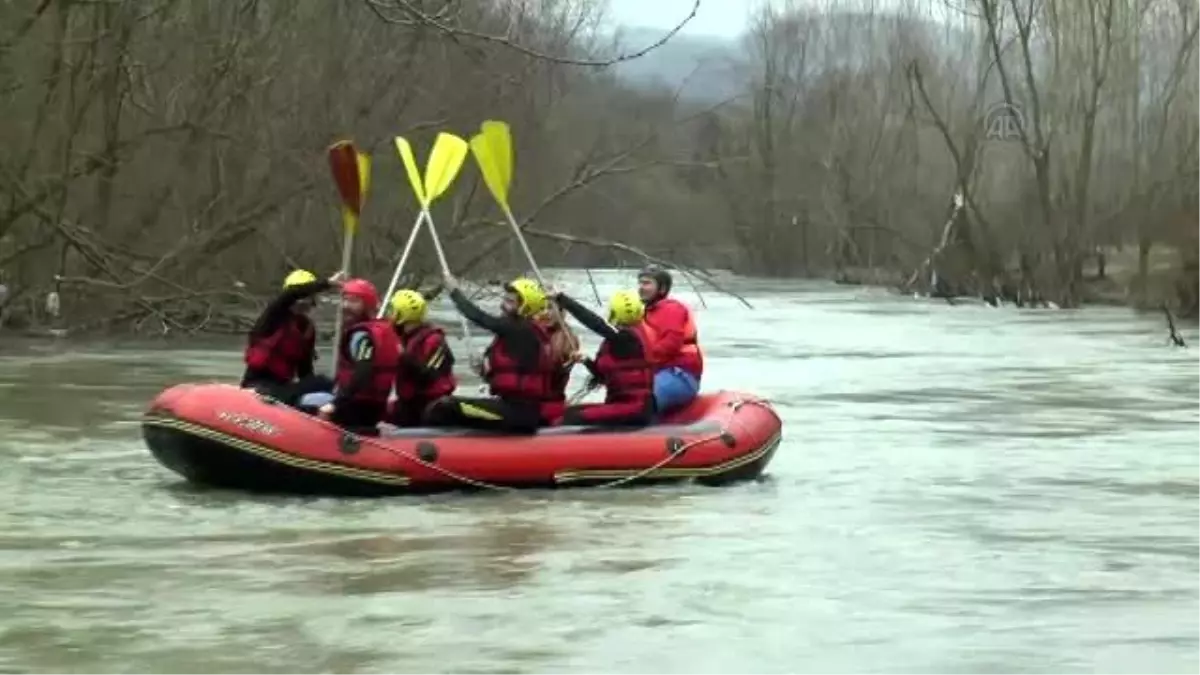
x=728 y=18
x=725 y=18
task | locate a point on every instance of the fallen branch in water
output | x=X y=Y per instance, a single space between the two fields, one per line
x=186 y=312
x=1176 y=338
x=928 y=267
x=592 y=283
x=688 y=271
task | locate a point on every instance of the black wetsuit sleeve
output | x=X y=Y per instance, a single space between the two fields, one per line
x=362 y=353
x=625 y=345
x=500 y=325
x=593 y=321
x=305 y=367
x=277 y=312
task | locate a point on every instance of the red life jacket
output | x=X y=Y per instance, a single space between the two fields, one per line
x=283 y=352
x=383 y=365
x=507 y=380
x=411 y=384
x=689 y=358
x=628 y=379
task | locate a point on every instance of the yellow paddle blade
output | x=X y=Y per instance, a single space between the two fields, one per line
x=364 y=177
x=492 y=148
x=500 y=141
x=447 y=157
x=410 y=166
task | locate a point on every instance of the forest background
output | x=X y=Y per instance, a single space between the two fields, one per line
x=164 y=159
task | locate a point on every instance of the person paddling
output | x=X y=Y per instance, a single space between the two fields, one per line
x=368 y=356
x=674 y=349
x=519 y=365
x=281 y=347
x=426 y=370
x=621 y=363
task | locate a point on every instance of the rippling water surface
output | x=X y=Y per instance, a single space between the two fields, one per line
x=960 y=489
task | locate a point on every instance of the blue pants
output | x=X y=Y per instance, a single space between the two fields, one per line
x=673 y=388
x=316 y=399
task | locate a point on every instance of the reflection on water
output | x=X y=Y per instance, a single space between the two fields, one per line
x=960 y=490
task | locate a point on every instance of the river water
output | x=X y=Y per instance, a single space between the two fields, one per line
x=960 y=489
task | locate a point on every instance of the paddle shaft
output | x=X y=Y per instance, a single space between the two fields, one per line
x=347 y=249
x=437 y=246
x=524 y=246
x=408 y=247
x=441 y=254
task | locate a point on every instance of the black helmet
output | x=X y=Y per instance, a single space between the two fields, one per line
x=660 y=277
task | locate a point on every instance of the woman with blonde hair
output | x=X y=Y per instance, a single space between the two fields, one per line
x=563 y=344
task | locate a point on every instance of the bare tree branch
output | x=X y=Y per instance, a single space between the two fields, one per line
x=410 y=14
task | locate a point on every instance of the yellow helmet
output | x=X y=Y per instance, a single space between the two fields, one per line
x=299 y=278
x=532 y=299
x=408 y=307
x=625 y=308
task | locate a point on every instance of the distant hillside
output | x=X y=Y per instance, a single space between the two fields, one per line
x=705 y=63
x=702 y=62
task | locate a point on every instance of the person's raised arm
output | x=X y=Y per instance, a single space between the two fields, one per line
x=499 y=325
x=280 y=308
x=593 y=321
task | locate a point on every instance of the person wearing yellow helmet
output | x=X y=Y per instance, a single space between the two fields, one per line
x=621 y=363
x=519 y=365
x=426 y=370
x=281 y=347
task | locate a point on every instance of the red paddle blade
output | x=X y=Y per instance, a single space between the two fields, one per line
x=343 y=162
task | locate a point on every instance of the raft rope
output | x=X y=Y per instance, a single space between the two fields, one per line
x=734 y=407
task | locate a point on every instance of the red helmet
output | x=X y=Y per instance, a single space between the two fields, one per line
x=363 y=290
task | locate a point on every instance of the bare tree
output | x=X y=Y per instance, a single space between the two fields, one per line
x=164 y=159
x=895 y=157
x=168 y=156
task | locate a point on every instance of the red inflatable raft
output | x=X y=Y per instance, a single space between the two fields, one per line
x=225 y=436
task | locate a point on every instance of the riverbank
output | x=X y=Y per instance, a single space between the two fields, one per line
x=1112 y=284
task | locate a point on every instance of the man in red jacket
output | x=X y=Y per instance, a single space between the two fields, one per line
x=674 y=351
